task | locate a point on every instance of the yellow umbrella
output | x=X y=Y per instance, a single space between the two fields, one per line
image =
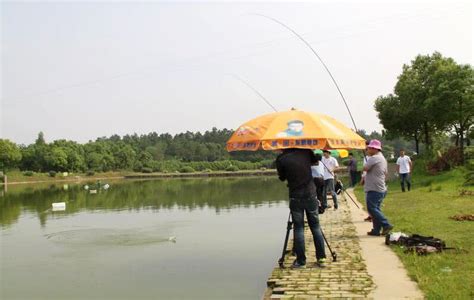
x=294 y=129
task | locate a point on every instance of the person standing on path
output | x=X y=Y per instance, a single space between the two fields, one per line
x=317 y=171
x=294 y=166
x=330 y=164
x=352 y=168
x=375 y=188
x=404 y=167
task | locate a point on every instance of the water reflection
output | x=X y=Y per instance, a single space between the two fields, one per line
x=190 y=194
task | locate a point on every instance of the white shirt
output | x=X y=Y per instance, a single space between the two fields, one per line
x=404 y=163
x=317 y=171
x=331 y=164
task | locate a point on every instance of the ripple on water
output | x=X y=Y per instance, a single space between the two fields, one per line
x=109 y=237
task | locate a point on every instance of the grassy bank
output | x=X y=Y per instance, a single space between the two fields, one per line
x=18 y=176
x=426 y=210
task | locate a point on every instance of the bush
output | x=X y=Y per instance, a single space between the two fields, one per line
x=207 y=171
x=186 y=169
x=444 y=162
x=52 y=173
x=90 y=173
x=232 y=168
x=147 y=170
x=28 y=173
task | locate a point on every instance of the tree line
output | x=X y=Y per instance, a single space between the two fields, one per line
x=432 y=98
x=153 y=152
x=148 y=152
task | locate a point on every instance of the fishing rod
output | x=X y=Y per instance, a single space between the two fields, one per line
x=319 y=58
x=255 y=90
x=325 y=67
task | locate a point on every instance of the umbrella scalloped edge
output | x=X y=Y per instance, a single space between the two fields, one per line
x=295 y=143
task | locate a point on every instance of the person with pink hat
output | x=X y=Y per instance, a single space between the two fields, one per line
x=375 y=188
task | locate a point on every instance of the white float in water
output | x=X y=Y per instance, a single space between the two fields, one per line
x=93 y=191
x=106 y=186
x=172 y=239
x=59 y=206
x=86 y=187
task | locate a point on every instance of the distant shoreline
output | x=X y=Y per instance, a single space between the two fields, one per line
x=145 y=176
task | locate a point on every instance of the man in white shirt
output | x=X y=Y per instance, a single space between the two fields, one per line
x=330 y=164
x=404 y=167
x=317 y=171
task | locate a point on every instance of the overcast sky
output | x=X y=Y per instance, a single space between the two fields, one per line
x=87 y=69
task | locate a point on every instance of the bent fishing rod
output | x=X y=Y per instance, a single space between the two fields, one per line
x=325 y=67
x=255 y=90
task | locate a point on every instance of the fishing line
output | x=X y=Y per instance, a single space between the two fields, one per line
x=319 y=58
x=255 y=90
x=327 y=69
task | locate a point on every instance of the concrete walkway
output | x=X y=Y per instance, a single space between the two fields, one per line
x=365 y=266
x=386 y=269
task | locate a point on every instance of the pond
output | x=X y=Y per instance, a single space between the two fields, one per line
x=162 y=239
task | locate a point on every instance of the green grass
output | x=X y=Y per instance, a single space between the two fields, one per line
x=426 y=210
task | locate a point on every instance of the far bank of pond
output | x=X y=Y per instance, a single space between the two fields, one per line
x=44 y=178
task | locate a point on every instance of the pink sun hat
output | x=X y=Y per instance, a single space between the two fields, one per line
x=376 y=144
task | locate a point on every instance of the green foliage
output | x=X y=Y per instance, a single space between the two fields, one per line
x=147 y=170
x=10 y=154
x=160 y=153
x=433 y=95
x=90 y=173
x=52 y=173
x=187 y=169
x=232 y=168
x=28 y=173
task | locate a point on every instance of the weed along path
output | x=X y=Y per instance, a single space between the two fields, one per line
x=365 y=266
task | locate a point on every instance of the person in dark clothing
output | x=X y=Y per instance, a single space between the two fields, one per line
x=294 y=166
x=352 y=168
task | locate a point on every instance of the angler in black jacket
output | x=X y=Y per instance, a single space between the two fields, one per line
x=294 y=166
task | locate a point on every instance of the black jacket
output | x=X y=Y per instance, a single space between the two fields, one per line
x=294 y=165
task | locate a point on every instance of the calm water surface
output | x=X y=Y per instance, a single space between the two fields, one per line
x=162 y=239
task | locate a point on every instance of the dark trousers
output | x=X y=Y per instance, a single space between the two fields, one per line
x=319 y=183
x=353 y=175
x=298 y=207
x=405 y=178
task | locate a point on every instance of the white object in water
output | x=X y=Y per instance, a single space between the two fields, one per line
x=59 y=206
x=106 y=186
x=93 y=191
x=86 y=187
x=172 y=239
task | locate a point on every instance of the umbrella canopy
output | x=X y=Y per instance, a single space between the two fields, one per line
x=294 y=129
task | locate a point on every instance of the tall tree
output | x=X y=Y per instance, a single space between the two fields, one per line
x=452 y=99
x=10 y=154
x=414 y=90
x=398 y=120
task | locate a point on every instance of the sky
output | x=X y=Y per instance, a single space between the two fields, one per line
x=81 y=70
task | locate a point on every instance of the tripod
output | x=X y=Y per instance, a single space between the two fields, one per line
x=289 y=226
